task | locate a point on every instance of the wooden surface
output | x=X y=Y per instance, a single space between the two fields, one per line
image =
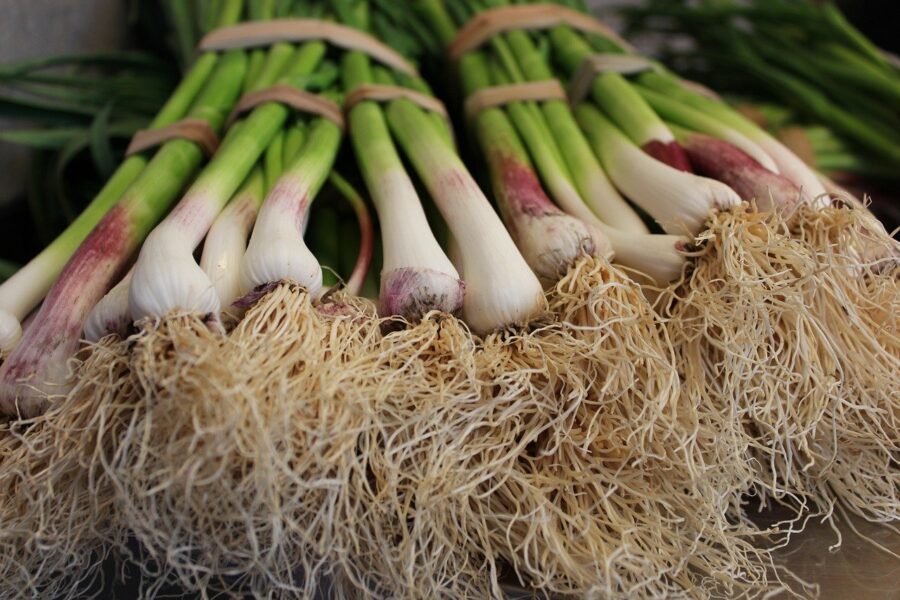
x=857 y=570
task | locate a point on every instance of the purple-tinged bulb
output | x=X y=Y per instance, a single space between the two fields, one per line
x=413 y=292
x=729 y=164
x=550 y=240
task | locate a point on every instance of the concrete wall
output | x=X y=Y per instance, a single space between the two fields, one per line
x=31 y=28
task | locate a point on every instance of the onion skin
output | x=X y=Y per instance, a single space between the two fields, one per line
x=669 y=153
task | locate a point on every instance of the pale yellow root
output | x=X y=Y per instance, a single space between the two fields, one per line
x=57 y=519
x=636 y=373
x=234 y=463
x=857 y=296
x=405 y=538
x=450 y=416
x=612 y=499
x=631 y=362
x=752 y=341
x=176 y=449
x=518 y=454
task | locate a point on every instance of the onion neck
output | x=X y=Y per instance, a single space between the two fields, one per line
x=501 y=289
x=277 y=251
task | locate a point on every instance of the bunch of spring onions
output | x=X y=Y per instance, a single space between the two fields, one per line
x=209 y=477
x=554 y=395
x=53 y=513
x=844 y=356
x=458 y=353
x=836 y=431
x=797 y=395
x=598 y=452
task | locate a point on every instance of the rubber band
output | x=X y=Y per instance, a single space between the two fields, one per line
x=595 y=64
x=197 y=131
x=386 y=93
x=489 y=23
x=295 y=98
x=265 y=33
x=699 y=88
x=500 y=95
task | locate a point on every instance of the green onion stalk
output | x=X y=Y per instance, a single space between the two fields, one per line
x=615 y=95
x=830 y=264
x=682 y=105
x=592 y=198
x=25 y=288
x=417 y=277
x=426 y=348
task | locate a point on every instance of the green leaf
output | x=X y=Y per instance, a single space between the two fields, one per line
x=44 y=110
x=100 y=143
x=137 y=60
x=48 y=139
x=38 y=203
